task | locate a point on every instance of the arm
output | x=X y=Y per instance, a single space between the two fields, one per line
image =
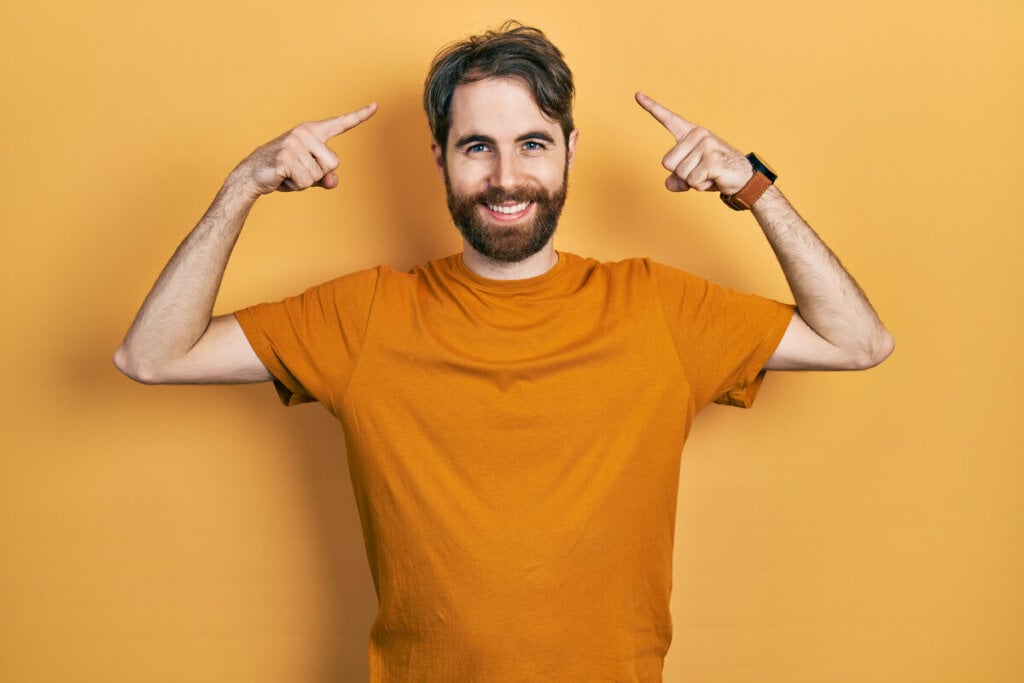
x=174 y=338
x=835 y=327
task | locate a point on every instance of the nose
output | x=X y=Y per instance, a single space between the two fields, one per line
x=506 y=172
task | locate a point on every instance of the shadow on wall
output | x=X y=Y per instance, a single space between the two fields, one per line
x=321 y=462
x=408 y=197
x=169 y=518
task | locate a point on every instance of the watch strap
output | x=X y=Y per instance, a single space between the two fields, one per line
x=749 y=193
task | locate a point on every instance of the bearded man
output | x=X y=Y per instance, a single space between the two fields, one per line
x=514 y=415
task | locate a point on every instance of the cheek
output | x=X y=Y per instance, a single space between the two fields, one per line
x=555 y=174
x=551 y=175
x=464 y=178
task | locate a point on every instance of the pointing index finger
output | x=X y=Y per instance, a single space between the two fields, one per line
x=328 y=128
x=675 y=123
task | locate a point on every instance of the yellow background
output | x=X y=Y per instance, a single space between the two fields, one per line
x=851 y=527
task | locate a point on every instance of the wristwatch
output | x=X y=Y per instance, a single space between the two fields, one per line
x=762 y=179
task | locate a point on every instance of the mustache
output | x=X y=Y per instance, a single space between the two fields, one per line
x=499 y=195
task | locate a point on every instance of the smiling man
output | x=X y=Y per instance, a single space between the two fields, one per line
x=514 y=415
x=505 y=193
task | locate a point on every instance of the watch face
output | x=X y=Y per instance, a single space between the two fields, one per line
x=762 y=167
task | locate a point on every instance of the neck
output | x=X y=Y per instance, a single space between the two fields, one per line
x=532 y=266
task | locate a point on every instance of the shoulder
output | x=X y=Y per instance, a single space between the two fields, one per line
x=356 y=280
x=383 y=279
x=634 y=270
x=622 y=267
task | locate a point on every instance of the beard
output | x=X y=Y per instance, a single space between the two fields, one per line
x=507 y=243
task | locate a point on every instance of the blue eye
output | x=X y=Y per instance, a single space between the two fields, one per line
x=533 y=145
x=479 y=147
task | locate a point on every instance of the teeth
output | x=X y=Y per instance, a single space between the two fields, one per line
x=508 y=209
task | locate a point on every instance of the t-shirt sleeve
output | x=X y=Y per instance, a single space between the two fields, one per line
x=310 y=343
x=723 y=337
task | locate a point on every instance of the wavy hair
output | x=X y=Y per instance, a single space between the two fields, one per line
x=511 y=51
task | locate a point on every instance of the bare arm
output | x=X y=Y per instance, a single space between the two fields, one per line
x=174 y=339
x=835 y=327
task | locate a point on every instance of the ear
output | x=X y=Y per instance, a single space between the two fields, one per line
x=571 y=145
x=438 y=159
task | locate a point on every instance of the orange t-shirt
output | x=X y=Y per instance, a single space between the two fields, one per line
x=514 y=448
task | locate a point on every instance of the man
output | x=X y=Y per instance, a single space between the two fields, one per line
x=514 y=416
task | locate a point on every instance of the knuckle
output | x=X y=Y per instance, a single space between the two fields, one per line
x=706 y=141
x=300 y=134
x=330 y=161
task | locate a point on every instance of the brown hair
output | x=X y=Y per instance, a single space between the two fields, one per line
x=512 y=51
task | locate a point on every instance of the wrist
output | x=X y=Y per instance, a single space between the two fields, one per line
x=762 y=178
x=239 y=187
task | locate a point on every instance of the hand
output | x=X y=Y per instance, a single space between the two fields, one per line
x=300 y=158
x=699 y=159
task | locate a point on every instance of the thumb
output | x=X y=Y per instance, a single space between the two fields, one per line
x=674 y=183
x=329 y=181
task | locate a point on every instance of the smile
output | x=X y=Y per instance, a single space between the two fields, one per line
x=509 y=211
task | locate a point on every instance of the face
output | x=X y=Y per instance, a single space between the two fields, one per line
x=505 y=169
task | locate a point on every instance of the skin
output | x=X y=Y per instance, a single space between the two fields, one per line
x=834 y=327
x=174 y=339
x=500 y=138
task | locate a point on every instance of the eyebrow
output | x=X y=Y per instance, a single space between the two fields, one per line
x=487 y=139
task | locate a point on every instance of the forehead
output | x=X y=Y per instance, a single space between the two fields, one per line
x=498 y=107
